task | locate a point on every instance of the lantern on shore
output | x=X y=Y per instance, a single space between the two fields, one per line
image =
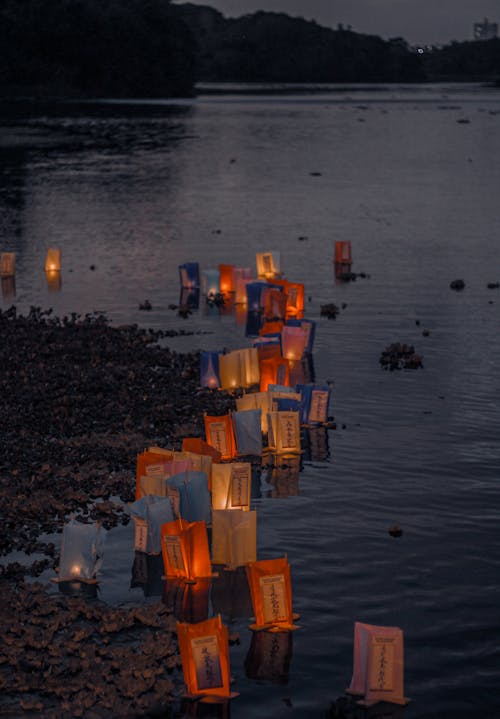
x=271 y=591
x=204 y=649
x=209 y=370
x=82 y=548
x=234 y=537
x=343 y=254
x=149 y=514
x=268 y=264
x=53 y=260
x=210 y=283
x=284 y=432
x=378 y=665
x=247 y=432
x=185 y=550
x=189 y=274
x=7 y=264
x=255 y=400
x=231 y=485
x=293 y=342
x=219 y=435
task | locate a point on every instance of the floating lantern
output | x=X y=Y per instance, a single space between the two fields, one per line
x=247 y=431
x=153 y=457
x=211 y=283
x=271 y=592
x=315 y=402
x=254 y=295
x=82 y=548
x=273 y=302
x=226 y=278
x=53 y=260
x=255 y=400
x=273 y=370
x=234 y=537
x=343 y=254
x=189 y=274
x=271 y=329
x=294 y=299
x=209 y=370
x=284 y=432
x=310 y=329
x=269 y=657
x=293 y=342
x=219 y=435
x=204 y=651
x=241 y=277
x=149 y=513
x=268 y=264
x=378 y=665
x=153 y=482
x=187 y=602
x=199 y=446
x=185 y=550
x=194 y=495
x=239 y=368
x=7 y=264
x=231 y=485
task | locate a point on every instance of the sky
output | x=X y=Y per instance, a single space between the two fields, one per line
x=419 y=22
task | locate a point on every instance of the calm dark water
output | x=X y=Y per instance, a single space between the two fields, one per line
x=411 y=176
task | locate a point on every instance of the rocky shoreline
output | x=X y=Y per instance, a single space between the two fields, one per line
x=80 y=399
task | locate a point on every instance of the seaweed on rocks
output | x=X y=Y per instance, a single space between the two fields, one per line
x=400 y=356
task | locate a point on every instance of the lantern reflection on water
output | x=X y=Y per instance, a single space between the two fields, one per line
x=189 y=274
x=231 y=594
x=53 y=278
x=187 y=602
x=226 y=278
x=271 y=591
x=378 y=665
x=209 y=370
x=8 y=287
x=53 y=260
x=204 y=649
x=274 y=370
x=343 y=253
x=269 y=657
x=7 y=264
x=185 y=550
x=211 y=283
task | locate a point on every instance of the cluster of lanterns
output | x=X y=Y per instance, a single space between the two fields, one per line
x=8 y=270
x=207 y=484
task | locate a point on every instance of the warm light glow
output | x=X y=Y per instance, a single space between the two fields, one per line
x=53 y=260
x=75 y=570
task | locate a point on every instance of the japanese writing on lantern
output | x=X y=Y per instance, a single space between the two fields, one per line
x=141 y=535
x=207 y=662
x=319 y=406
x=174 y=553
x=218 y=437
x=240 y=482
x=274 y=598
x=382 y=664
x=288 y=429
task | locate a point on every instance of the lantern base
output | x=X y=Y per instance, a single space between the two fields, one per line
x=57 y=580
x=367 y=704
x=274 y=628
x=210 y=698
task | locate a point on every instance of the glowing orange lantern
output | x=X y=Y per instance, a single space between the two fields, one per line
x=268 y=264
x=284 y=432
x=274 y=303
x=271 y=591
x=53 y=260
x=271 y=328
x=199 y=446
x=274 y=371
x=226 y=278
x=231 y=485
x=7 y=264
x=343 y=254
x=293 y=342
x=219 y=434
x=185 y=550
x=53 y=278
x=241 y=277
x=378 y=665
x=294 y=300
x=204 y=651
x=187 y=602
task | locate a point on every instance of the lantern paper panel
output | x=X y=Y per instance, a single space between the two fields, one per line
x=343 y=252
x=149 y=514
x=219 y=435
x=196 y=445
x=247 y=432
x=211 y=283
x=310 y=329
x=234 y=537
x=204 y=649
x=53 y=260
x=293 y=342
x=209 y=370
x=254 y=295
x=271 y=330
x=187 y=601
x=185 y=550
x=82 y=547
x=273 y=303
x=273 y=370
x=315 y=403
x=189 y=274
x=230 y=370
x=153 y=482
x=255 y=400
x=199 y=462
x=194 y=495
x=378 y=665
x=231 y=485
x=150 y=456
x=286 y=404
x=241 y=277
x=7 y=264
x=271 y=591
x=284 y=432
x=226 y=278
x=268 y=264
x=294 y=299
x=269 y=657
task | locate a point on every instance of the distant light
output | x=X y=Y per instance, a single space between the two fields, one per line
x=420 y=50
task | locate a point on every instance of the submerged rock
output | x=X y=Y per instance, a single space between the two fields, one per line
x=457 y=285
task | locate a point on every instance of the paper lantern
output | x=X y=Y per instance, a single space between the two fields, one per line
x=273 y=303
x=153 y=480
x=269 y=657
x=186 y=601
x=268 y=264
x=211 y=283
x=209 y=370
x=255 y=400
x=231 y=485
x=82 y=547
x=273 y=371
x=239 y=368
x=310 y=329
x=189 y=274
x=247 y=432
x=241 y=277
x=219 y=435
x=151 y=457
x=284 y=432
x=226 y=278
x=293 y=342
x=53 y=260
x=378 y=665
x=198 y=446
x=149 y=513
x=194 y=495
x=185 y=550
x=234 y=537
x=200 y=462
x=294 y=299
x=7 y=264
x=272 y=329
x=315 y=403
x=271 y=592
x=343 y=254
x=204 y=649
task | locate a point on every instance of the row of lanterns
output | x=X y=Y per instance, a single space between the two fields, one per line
x=180 y=493
x=8 y=262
